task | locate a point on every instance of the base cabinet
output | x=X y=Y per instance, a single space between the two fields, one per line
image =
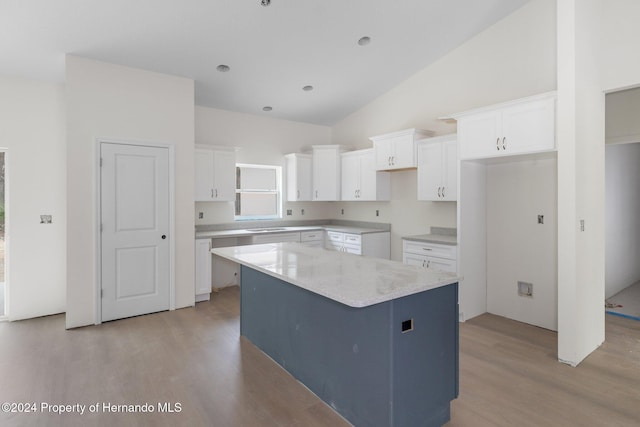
x=430 y=255
x=369 y=244
x=203 y=269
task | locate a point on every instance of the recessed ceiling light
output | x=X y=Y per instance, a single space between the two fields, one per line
x=364 y=41
x=223 y=68
x=267 y=108
x=265 y=2
x=307 y=88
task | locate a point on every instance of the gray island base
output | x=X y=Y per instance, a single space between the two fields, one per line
x=390 y=363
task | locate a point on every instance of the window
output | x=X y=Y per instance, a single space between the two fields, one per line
x=258 y=194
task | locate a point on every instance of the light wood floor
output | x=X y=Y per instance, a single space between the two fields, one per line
x=509 y=375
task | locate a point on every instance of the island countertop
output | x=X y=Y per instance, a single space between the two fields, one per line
x=353 y=280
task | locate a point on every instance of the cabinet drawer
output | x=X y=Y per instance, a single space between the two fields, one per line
x=430 y=249
x=335 y=236
x=352 y=239
x=309 y=236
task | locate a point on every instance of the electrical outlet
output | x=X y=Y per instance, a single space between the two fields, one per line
x=46 y=219
x=289 y=211
x=540 y=219
x=582 y=225
x=341 y=211
x=377 y=212
x=301 y=211
x=200 y=215
x=525 y=289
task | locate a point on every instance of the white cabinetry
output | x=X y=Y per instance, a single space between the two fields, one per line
x=360 y=179
x=369 y=244
x=518 y=127
x=298 y=177
x=397 y=150
x=312 y=238
x=215 y=174
x=438 y=169
x=326 y=172
x=275 y=237
x=203 y=269
x=429 y=255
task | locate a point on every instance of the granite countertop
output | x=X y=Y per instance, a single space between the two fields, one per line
x=434 y=238
x=353 y=280
x=439 y=235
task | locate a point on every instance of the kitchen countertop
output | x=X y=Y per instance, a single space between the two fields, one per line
x=271 y=230
x=434 y=238
x=353 y=280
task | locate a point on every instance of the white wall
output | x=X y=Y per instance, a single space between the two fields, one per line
x=32 y=130
x=622 y=216
x=621 y=118
x=260 y=140
x=620 y=63
x=106 y=100
x=514 y=58
x=518 y=247
x=580 y=129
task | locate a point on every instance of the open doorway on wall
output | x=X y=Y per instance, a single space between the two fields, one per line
x=3 y=287
x=622 y=204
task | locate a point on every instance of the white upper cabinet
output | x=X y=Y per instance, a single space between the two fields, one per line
x=438 y=168
x=522 y=126
x=298 y=177
x=360 y=179
x=326 y=173
x=215 y=174
x=397 y=150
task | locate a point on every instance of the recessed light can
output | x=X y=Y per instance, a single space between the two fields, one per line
x=307 y=88
x=267 y=108
x=223 y=68
x=364 y=41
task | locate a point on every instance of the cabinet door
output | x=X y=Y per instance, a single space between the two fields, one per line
x=350 y=165
x=224 y=176
x=441 y=264
x=450 y=171
x=404 y=153
x=203 y=175
x=479 y=135
x=412 y=259
x=430 y=171
x=326 y=174
x=529 y=127
x=383 y=153
x=203 y=269
x=299 y=177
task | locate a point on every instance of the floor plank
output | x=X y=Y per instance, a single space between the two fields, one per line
x=509 y=374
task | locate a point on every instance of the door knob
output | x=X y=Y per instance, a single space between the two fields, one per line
x=164 y=236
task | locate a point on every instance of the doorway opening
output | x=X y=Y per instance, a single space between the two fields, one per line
x=3 y=275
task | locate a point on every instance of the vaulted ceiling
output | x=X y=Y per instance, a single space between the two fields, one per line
x=272 y=51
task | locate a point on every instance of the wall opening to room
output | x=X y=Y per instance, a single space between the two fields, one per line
x=3 y=253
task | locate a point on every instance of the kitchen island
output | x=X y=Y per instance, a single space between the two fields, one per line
x=375 y=339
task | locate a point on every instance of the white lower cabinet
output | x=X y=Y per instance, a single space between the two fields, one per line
x=430 y=255
x=313 y=238
x=368 y=244
x=276 y=238
x=203 y=269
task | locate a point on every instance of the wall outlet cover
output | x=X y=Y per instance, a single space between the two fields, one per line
x=46 y=219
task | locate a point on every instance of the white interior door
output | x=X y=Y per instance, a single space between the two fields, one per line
x=135 y=230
